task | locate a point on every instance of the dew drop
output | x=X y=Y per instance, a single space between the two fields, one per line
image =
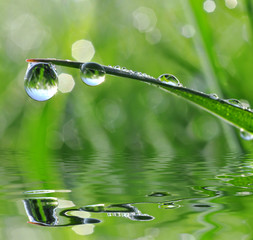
x=246 y=135
x=249 y=109
x=41 y=81
x=92 y=74
x=234 y=102
x=170 y=80
x=213 y=96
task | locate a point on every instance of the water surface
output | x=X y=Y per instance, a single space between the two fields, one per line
x=103 y=196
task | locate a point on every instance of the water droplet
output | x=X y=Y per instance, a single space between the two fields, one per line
x=41 y=81
x=213 y=96
x=245 y=105
x=234 y=102
x=246 y=135
x=92 y=74
x=170 y=80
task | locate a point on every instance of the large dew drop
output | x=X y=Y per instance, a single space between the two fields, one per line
x=92 y=74
x=41 y=81
x=169 y=80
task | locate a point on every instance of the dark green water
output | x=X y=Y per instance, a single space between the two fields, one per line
x=78 y=196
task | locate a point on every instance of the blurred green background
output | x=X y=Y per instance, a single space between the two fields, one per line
x=206 y=44
x=124 y=139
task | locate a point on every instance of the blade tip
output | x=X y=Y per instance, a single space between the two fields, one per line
x=30 y=60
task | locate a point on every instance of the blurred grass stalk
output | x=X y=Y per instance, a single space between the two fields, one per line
x=249 y=8
x=203 y=42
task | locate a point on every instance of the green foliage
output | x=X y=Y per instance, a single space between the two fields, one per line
x=208 y=60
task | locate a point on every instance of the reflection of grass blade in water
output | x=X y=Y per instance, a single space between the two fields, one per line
x=230 y=110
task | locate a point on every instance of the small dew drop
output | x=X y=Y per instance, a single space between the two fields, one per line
x=234 y=102
x=213 y=96
x=246 y=135
x=169 y=80
x=41 y=81
x=92 y=74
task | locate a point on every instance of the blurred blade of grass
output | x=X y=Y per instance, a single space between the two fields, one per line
x=203 y=41
x=173 y=54
x=249 y=7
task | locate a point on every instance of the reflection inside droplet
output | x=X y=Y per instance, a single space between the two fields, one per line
x=169 y=80
x=41 y=81
x=234 y=102
x=213 y=96
x=92 y=74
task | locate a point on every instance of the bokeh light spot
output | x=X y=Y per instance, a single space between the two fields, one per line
x=66 y=83
x=188 y=31
x=231 y=3
x=26 y=32
x=144 y=19
x=209 y=6
x=83 y=50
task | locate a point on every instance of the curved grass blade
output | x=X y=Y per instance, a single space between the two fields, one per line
x=234 y=114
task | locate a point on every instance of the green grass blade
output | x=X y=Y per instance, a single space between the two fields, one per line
x=235 y=115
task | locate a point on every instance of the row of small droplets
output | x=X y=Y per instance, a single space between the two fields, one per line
x=131 y=72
